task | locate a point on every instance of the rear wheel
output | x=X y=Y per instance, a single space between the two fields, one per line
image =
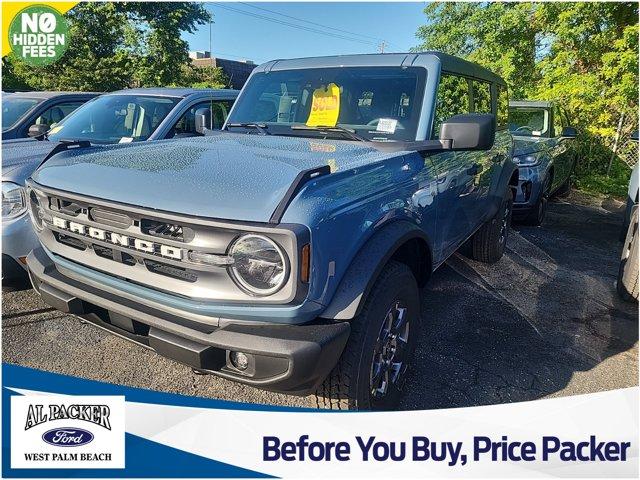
x=372 y=369
x=488 y=243
x=627 y=283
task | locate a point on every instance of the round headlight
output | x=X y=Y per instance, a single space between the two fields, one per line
x=259 y=265
x=13 y=200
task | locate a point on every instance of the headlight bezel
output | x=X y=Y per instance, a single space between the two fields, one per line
x=22 y=196
x=246 y=286
x=34 y=199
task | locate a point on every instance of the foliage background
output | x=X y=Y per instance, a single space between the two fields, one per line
x=582 y=55
x=116 y=45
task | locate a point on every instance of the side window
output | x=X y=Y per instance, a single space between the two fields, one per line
x=219 y=109
x=503 y=106
x=56 y=113
x=453 y=98
x=481 y=96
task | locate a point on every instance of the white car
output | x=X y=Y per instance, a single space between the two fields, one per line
x=627 y=283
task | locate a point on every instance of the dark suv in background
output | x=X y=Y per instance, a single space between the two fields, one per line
x=543 y=154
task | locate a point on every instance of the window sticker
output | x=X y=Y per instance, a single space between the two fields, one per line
x=126 y=140
x=325 y=107
x=387 y=125
x=56 y=129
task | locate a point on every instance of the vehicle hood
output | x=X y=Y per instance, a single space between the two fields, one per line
x=227 y=176
x=529 y=145
x=21 y=157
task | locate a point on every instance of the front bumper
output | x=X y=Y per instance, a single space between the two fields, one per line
x=18 y=239
x=292 y=359
x=529 y=189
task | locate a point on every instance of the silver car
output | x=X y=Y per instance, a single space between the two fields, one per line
x=125 y=116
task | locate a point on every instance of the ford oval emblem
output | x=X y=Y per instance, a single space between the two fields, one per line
x=67 y=437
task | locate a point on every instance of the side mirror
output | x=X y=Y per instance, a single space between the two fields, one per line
x=38 y=130
x=569 y=132
x=634 y=136
x=202 y=120
x=475 y=131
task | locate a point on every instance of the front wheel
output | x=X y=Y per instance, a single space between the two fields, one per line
x=372 y=369
x=489 y=242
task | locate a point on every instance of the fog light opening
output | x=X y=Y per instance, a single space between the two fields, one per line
x=239 y=360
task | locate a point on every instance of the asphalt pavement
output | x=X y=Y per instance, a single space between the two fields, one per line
x=543 y=322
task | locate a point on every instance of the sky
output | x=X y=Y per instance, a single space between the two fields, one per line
x=347 y=28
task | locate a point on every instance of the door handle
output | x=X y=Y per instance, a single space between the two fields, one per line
x=475 y=169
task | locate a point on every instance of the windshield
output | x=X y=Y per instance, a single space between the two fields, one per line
x=377 y=103
x=13 y=108
x=529 y=121
x=114 y=119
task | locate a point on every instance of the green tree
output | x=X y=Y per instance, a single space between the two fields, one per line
x=582 y=55
x=202 y=77
x=116 y=45
x=500 y=36
x=159 y=24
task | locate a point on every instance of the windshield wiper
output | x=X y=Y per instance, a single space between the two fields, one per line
x=329 y=129
x=260 y=127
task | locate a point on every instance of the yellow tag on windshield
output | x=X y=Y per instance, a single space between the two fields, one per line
x=325 y=107
x=56 y=129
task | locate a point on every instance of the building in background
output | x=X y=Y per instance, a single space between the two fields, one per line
x=238 y=71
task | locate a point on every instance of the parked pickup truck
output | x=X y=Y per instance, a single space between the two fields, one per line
x=287 y=251
x=544 y=156
x=126 y=116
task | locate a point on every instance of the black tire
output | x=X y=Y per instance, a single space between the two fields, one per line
x=627 y=282
x=536 y=217
x=489 y=242
x=350 y=385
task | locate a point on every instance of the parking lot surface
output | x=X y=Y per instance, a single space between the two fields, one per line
x=545 y=321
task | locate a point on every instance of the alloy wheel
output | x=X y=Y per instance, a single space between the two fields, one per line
x=389 y=362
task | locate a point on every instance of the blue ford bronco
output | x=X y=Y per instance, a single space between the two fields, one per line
x=287 y=251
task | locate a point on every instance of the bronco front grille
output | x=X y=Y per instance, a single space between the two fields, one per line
x=150 y=248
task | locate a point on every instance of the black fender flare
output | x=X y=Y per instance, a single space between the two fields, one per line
x=367 y=265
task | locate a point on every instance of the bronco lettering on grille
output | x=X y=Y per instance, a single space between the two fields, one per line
x=118 y=238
